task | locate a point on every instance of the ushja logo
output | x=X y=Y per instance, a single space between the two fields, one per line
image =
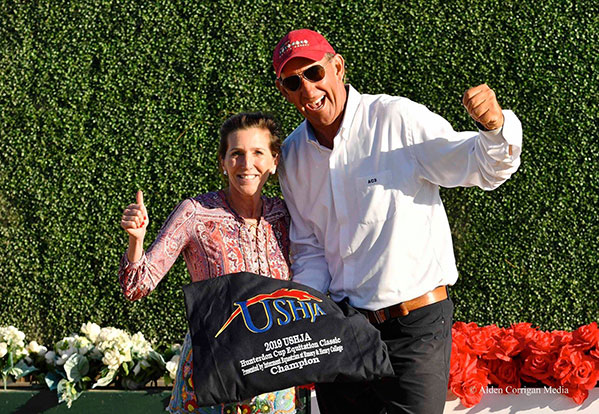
x=289 y=305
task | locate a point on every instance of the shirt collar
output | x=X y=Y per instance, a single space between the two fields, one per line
x=351 y=106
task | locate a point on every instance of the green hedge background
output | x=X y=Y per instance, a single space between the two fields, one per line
x=100 y=98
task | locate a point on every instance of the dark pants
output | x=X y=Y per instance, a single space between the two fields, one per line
x=419 y=348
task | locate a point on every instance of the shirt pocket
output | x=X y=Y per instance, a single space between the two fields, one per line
x=376 y=198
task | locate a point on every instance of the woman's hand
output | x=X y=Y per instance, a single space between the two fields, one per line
x=135 y=222
x=135 y=218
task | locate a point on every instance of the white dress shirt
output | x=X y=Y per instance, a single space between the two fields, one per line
x=367 y=219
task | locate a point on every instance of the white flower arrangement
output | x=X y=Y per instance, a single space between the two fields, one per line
x=34 y=348
x=12 y=354
x=69 y=367
x=130 y=357
x=12 y=339
x=106 y=355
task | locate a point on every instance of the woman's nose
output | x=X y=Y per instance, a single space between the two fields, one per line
x=248 y=161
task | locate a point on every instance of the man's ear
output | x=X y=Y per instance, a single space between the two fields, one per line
x=282 y=89
x=339 y=65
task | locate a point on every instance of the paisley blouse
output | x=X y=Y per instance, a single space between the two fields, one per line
x=214 y=241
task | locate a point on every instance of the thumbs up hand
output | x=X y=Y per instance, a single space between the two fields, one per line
x=135 y=218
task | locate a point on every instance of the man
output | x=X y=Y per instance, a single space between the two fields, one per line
x=361 y=179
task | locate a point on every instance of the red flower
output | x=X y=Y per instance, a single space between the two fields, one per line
x=568 y=359
x=563 y=337
x=463 y=364
x=488 y=354
x=505 y=347
x=469 y=382
x=586 y=336
x=504 y=374
x=585 y=374
x=543 y=342
x=481 y=340
x=523 y=331
x=470 y=389
x=465 y=327
x=538 y=366
x=578 y=395
x=458 y=338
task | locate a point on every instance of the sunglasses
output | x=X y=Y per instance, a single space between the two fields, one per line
x=314 y=74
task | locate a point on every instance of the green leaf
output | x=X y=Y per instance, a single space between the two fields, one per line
x=157 y=357
x=76 y=367
x=25 y=368
x=15 y=371
x=105 y=380
x=52 y=379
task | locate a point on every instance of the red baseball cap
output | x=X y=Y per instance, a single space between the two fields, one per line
x=300 y=43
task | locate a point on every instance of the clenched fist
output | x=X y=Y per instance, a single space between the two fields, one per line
x=135 y=218
x=481 y=104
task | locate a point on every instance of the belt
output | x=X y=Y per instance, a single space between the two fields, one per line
x=402 y=309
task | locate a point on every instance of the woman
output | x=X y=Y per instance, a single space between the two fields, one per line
x=227 y=231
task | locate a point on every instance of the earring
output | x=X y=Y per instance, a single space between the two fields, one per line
x=274 y=170
x=225 y=172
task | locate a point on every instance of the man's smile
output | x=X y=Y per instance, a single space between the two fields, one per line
x=316 y=105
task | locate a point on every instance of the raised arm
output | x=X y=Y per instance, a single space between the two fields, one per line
x=140 y=271
x=485 y=159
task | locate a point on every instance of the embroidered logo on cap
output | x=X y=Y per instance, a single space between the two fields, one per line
x=292 y=45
